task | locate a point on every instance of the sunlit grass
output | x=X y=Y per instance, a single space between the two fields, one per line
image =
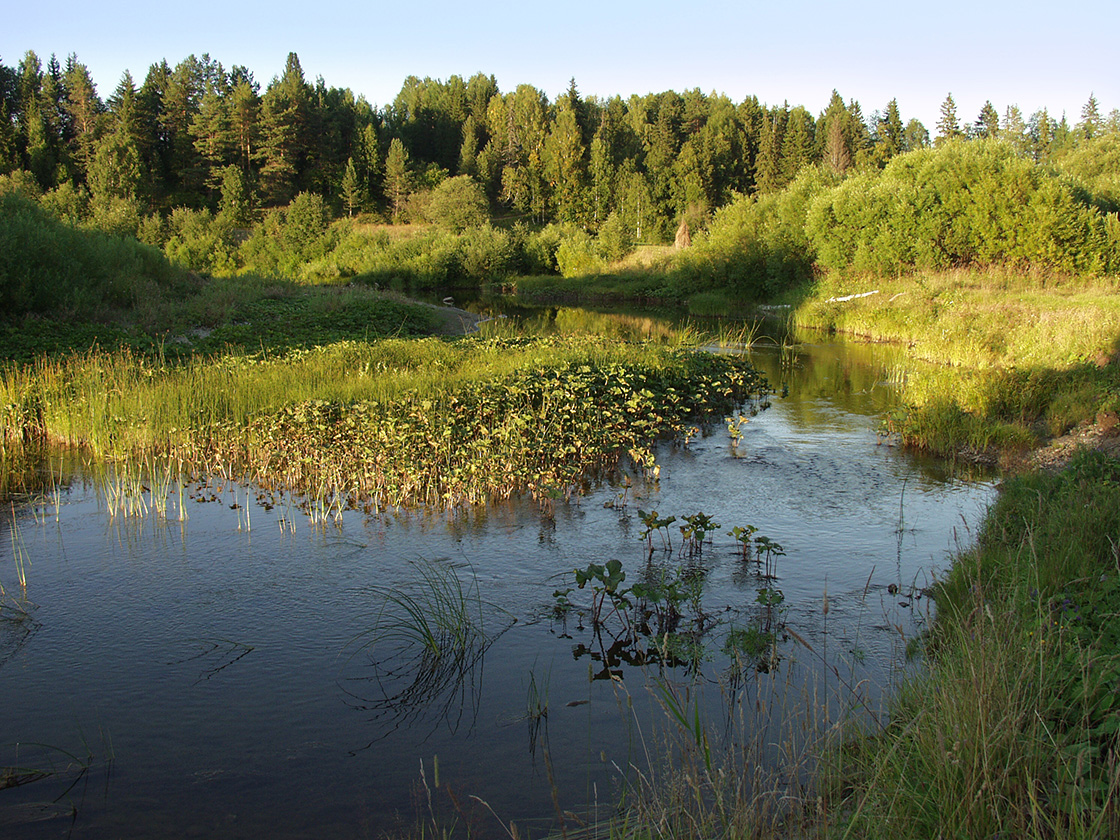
x=1030 y=356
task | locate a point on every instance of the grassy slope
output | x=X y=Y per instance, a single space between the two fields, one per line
x=1012 y=729
x=1030 y=356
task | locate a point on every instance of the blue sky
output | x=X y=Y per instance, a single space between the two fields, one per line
x=1033 y=54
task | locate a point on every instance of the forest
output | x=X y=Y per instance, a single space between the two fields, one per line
x=226 y=178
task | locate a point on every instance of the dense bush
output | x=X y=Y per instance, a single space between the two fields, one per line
x=46 y=266
x=1093 y=166
x=200 y=241
x=966 y=203
x=458 y=204
x=578 y=255
x=755 y=246
x=288 y=239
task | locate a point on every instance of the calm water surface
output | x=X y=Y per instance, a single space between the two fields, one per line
x=211 y=678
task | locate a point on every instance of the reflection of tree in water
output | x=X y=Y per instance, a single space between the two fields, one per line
x=422 y=657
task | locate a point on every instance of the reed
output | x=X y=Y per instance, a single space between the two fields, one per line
x=19 y=552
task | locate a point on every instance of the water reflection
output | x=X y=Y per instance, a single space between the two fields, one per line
x=422 y=656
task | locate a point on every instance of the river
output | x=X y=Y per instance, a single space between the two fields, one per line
x=244 y=672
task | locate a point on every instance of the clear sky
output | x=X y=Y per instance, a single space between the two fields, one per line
x=1033 y=54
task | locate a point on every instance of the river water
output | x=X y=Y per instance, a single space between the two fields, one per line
x=246 y=673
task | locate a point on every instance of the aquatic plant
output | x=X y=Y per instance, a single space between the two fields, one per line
x=652 y=523
x=386 y=424
x=425 y=644
x=743 y=535
x=695 y=530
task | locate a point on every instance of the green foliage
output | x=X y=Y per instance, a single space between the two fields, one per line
x=756 y=246
x=287 y=240
x=458 y=204
x=1094 y=166
x=389 y=423
x=578 y=255
x=615 y=240
x=46 y=266
x=430 y=259
x=200 y=241
x=963 y=203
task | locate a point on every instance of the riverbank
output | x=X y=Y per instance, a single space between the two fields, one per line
x=1012 y=727
x=1029 y=364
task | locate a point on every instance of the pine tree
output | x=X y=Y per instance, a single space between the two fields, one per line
x=244 y=122
x=948 y=128
x=84 y=109
x=213 y=140
x=285 y=143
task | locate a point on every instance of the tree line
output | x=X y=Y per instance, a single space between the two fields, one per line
x=203 y=137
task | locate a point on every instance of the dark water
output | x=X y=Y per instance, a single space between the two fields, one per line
x=217 y=677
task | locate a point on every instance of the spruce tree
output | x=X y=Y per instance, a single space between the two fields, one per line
x=352 y=193
x=1090 y=125
x=987 y=123
x=398 y=179
x=948 y=127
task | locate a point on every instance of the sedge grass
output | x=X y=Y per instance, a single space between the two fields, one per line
x=1012 y=729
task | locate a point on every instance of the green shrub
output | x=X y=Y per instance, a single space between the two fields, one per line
x=965 y=203
x=578 y=255
x=198 y=240
x=458 y=204
x=46 y=266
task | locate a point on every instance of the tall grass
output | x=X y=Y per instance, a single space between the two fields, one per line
x=1013 y=730
x=1031 y=355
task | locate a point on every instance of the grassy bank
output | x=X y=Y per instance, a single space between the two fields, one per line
x=1028 y=357
x=1013 y=729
